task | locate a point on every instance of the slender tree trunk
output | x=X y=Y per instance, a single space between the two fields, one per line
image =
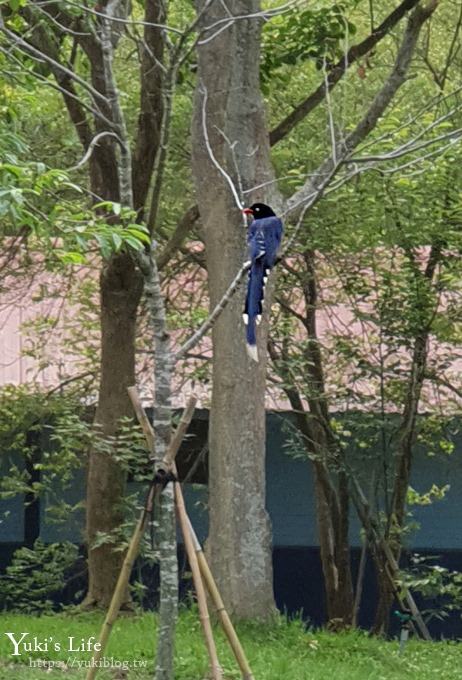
x=331 y=481
x=407 y=432
x=164 y=365
x=239 y=543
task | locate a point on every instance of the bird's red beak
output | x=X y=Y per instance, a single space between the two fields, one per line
x=247 y=211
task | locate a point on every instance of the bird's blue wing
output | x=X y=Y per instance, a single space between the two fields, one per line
x=256 y=240
x=273 y=235
x=251 y=232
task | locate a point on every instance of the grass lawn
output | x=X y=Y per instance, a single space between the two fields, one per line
x=280 y=651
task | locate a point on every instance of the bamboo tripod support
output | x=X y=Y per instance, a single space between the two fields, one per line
x=198 y=585
x=133 y=548
x=196 y=557
x=205 y=571
x=204 y=568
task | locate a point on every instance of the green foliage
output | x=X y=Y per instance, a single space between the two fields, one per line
x=50 y=433
x=46 y=208
x=436 y=584
x=314 y=34
x=435 y=493
x=54 y=434
x=41 y=203
x=35 y=576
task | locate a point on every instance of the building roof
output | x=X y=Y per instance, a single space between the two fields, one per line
x=62 y=310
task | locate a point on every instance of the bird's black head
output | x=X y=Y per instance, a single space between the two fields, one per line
x=259 y=210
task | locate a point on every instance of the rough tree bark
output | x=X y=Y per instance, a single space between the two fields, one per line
x=239 y=542
x=120 y=286
x=166 y=539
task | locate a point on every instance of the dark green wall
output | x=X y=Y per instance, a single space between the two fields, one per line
x=289 y=498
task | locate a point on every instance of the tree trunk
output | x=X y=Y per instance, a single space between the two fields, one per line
x=239 y=543
x=407 y=431
x=330 y=478
x=120 y=286
x=332 y=514
x=332 y=493
x=385 y=598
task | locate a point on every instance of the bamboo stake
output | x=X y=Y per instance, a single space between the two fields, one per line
x=180 y=432
x=223 y=615
x=198 y=584
x=362 y=507
x=167 y=464
x=142 y=418
x=122 y=582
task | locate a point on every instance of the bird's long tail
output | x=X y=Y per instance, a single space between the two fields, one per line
x=254 y=304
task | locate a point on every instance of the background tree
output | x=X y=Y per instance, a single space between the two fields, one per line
x=303 y=366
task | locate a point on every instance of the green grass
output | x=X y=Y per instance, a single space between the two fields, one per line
x=280 y=651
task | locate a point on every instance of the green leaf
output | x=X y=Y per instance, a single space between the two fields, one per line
x=117 y=241
x=71 y=257
x=141 y=234
x=133 y=242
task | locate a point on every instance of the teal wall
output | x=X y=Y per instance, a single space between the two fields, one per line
x=290 y=500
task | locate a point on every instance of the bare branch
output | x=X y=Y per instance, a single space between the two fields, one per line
x=59 y=25
x=330 y=116
x=338 y=71
x=411 y=146
x=209 y=322
x=438 y=99
x=183 y=227
x=124 y=167
x=93 y=143
x=313 y=189
x=115 y=19
x=225 y=23
x=212 y=156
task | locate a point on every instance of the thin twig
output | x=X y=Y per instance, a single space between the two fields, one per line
x=209 y=322
x=212 y=156
x=93 y=143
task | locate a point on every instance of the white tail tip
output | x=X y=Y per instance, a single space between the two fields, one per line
x=252 y=352
x=246 y=319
